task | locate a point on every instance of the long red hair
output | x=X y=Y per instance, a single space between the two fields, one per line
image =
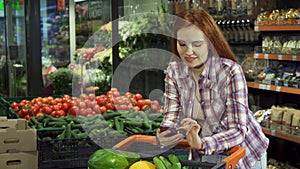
x=205 y=22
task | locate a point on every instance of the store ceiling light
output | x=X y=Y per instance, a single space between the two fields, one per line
x=79 y=0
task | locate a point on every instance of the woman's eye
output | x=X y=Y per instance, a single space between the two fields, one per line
x=181 y=43
x=197 y=44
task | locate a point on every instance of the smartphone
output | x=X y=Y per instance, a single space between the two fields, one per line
x=164 y=128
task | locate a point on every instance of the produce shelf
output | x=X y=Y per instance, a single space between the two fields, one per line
x=281 y=135
x=273 y=88
x=276 y=56
x=295 y=27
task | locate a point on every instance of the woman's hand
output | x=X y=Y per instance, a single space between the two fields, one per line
x=192 y=129
x=165 y=140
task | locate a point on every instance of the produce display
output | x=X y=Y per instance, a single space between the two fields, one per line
x=85 y=104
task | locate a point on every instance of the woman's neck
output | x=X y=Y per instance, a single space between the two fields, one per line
x=197 y=71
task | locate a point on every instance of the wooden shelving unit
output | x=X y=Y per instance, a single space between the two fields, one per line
x=276 y=57
x=281 y=135
x=273 y=88
x=295 y=27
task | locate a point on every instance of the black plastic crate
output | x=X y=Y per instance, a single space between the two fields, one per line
x=70 y=153
x=6 y=110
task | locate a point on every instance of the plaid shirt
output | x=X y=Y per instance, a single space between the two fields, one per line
x=224 y=100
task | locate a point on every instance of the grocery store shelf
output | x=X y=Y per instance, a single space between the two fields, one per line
x=295 y=27
x=273 y=88
x=288 y=137
x=276 y=56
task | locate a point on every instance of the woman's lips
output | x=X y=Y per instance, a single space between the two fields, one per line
x=190 y=58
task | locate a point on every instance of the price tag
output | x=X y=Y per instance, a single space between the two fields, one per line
x=262 y=86
x=267 y=87
x=255 y=55
x=294 y=58
x=256 y=28
x=278 y=89
x=273 y=133
x=266 y=56
x=279 y=57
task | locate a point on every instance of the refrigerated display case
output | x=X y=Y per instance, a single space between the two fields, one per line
x=12 y=49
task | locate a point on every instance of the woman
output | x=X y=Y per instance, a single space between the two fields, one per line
x=206 y=95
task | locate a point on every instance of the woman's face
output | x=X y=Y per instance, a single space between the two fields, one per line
x=192 y=46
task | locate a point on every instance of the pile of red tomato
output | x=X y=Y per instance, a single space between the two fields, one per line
x=85 y=104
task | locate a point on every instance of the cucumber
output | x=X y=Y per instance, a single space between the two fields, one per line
x=68 y=131
x=158 y=163
x=108 y=116
x=119 y=125
x=132 y=123
x=56 y=124
x=174 y=160
x=165 y=161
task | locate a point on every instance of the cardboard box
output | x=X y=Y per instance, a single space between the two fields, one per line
x=19 y=160
x=19 y=124
x=16 y=135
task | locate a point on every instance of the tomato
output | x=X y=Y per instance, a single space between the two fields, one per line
x=74 y=110
x=45 y=100
x=110 y=106
x=138 y=96
x=154 y=108
x=83 y=96
x=67 y=96
x=82 y=112
x=87 y=103
x=65 y=106
x=14 y=105
x=47 y=110
x=56 y=107
x=88 y=110
x=53 y=102
x=102 y=109
x=133 y=101
x=136 y=108
x=96 y=108
x=27 y=117
x=34 y=110
x=16 y=109
x=102 y=101
x=140 y=103
x=58 y=100
x=91 y=96
x=21 y=113
x=53 y=113
x=145 y=107
x=50 y=98
x=126 y=100
x=128 y=94
x=147 y=102
x=113 y=89
x=82 y=104
x=61 y=113
x=115 y=93
x=38 y=115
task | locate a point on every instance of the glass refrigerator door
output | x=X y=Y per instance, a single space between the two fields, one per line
x=3 y=66
x=13 y=55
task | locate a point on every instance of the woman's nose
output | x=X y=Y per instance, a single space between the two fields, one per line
x=189 y=50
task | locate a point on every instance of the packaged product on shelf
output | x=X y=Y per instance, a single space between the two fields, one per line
x=276 y=118
x=287 y=119
x=296 y=123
